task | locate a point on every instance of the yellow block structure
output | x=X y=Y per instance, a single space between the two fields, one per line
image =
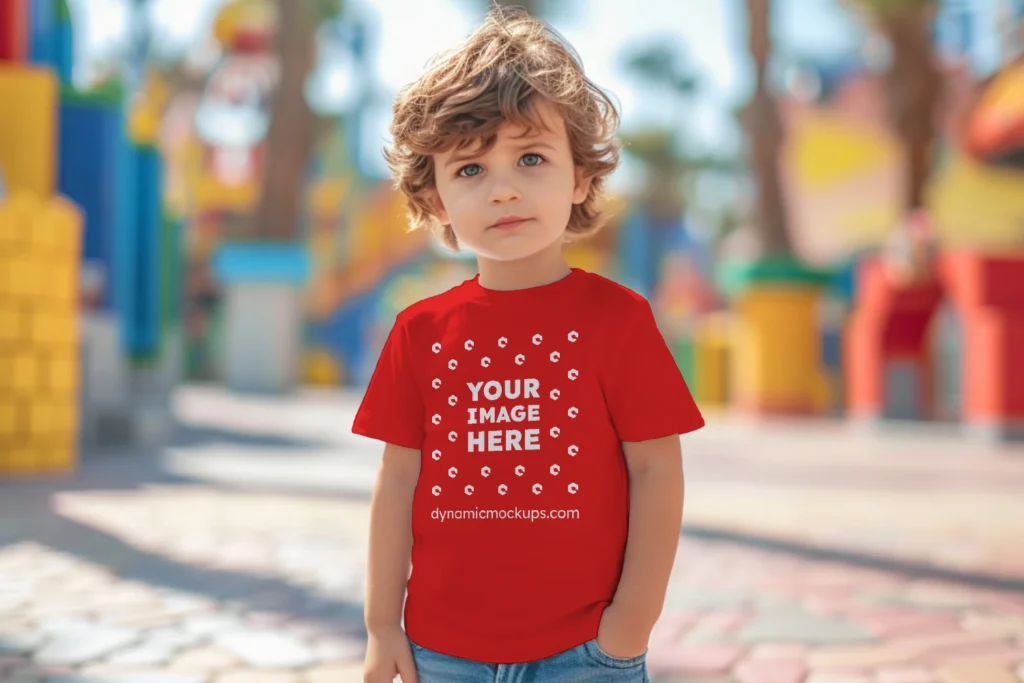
x=711 y=360
x=39 y=257
x=776 y=345
x=214 y=196
x=322 y=370
x=28 y=128
x=979 y=206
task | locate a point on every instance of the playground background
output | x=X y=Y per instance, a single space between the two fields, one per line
x=202 y=199
x=201 y=255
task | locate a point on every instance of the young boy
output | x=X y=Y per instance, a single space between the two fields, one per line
x=531 y=415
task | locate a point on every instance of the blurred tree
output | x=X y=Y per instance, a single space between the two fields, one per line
x=535 y=8
x=324 y=11
x=665 y=170
x=663 y=214
x=293 y=126
x=671 y=173
x=661 y=64
x=548 y=10
x=666 y=206
x=140 y=44
x=669 y=167
x=765 y=135
x=179 y=75
x=913 y=82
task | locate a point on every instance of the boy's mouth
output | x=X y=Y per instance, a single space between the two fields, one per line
x=509 y=222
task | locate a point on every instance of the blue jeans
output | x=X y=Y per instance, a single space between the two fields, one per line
x=585 y=663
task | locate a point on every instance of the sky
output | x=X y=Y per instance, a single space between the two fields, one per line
x=409 y=32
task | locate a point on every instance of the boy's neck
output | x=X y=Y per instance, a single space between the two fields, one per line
x=542 y=268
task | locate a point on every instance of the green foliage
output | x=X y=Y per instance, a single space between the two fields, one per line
x=654 y=146
x=535 y=8
x=885 y=9
x=63 y=12
x=108 y=93
x=662 y=63
x=659 y=148
x=672 y=167
x=323 y=11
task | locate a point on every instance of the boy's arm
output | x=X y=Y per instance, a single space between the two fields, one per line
x=390 y=538
x=655 y=518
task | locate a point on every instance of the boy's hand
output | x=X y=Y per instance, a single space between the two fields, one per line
x=620 y=636
x=388 y=655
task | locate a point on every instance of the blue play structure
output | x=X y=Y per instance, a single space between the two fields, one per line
x=118 y=184
x=94 y=174
x=144 y=264
x=50 y=36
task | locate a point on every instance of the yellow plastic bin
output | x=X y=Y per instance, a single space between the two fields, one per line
x=711 y=361
x=777 y=364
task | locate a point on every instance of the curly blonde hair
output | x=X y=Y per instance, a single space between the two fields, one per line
x=494 y=78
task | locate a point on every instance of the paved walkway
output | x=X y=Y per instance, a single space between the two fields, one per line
x=911 y=495
x=918 y=496
x=237 y=556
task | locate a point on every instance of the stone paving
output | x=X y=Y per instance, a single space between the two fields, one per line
x=743 y=616
x=214 y=586
x=187 y=585
x=160 y=570
x=869 y=493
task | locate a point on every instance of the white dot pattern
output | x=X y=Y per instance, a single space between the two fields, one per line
x=555 y=432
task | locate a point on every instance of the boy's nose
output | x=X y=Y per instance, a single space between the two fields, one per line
x=502 y=192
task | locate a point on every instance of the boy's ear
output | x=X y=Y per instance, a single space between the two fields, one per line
x=582 y=188
x=437 y=207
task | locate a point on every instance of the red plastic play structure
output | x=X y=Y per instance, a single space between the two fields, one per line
x=14 y=33
x=892 y=325
x=995 y=133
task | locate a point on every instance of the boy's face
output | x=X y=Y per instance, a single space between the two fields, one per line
x=528 y=177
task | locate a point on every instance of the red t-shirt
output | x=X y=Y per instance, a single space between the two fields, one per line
x=519 y=402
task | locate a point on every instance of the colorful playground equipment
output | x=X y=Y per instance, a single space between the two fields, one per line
x=39 y=245
x=353 y=246
x=776 y=337
x=40 y=233
x=876 y=318
x=894 y=338
x=83 y=192
x=110 y=166
x=995 y=133
x=929 y=332
x=892 y=352
x=228 y=279
x=89 y=272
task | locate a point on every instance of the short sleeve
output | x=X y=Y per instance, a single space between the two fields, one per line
x=645 y=391
x=392 y=410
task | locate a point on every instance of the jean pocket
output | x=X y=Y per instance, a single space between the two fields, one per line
x=601 y=657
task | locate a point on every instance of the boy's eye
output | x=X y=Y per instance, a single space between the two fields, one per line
x=470 y=170
x=532 y=159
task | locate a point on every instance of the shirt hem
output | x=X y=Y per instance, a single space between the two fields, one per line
x=386 y=437
x=677 y=430
x=511 y=651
